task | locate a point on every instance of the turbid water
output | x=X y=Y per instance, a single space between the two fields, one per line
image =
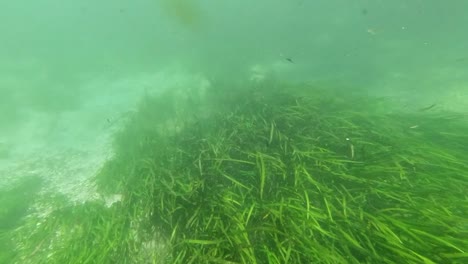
x=75 y=75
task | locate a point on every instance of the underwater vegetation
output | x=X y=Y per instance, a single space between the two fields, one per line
x=269 y=174
x=15 y=202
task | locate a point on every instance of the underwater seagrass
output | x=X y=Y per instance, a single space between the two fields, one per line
x=265 y=174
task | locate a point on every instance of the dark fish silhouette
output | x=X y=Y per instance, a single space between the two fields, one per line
x=427 y=108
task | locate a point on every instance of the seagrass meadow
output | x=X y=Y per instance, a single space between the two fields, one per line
x=270 y=173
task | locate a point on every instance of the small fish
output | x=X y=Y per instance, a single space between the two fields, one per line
x=371 y=31
x=463 y=59
x=427 y=108
x=290 y=60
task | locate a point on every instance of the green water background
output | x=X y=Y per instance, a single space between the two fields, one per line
x=49 y=48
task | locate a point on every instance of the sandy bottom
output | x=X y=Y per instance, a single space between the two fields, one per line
x=68 y=149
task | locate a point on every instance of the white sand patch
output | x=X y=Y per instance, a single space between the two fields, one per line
x=67 y=149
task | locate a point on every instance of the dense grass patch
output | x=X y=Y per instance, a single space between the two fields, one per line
x=15 y=201
x=272 y=174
